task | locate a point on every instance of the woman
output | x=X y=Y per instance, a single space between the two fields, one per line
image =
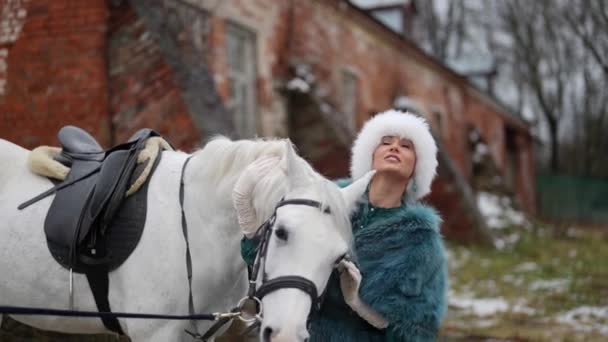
x=397 y=289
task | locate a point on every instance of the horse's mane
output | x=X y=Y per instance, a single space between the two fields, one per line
x=229 y=158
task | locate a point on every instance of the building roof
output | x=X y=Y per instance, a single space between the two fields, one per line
x=507 y=114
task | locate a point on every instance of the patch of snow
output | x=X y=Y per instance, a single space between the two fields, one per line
x=574 y=232
x=479 y=306
x=499 y=243
x=458 y=258
x=586 y=318
x=304 y=71
x=556 y=285
x=481 y=150
x=490 y=209
x=511 y=279
x=299 y=85
x=522 y=307
x=498 y=211
x=515 y=217
x=484 y=322
x=504 y=241
x=527 y=266
x=483 y=307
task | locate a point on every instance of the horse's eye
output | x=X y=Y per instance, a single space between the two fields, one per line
x=281 y=233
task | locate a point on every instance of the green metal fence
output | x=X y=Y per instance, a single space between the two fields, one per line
x=573 y=199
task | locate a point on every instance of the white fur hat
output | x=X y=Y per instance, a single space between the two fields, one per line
x=403 y=125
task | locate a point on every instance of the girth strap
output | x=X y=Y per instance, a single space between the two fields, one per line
x=99 y=282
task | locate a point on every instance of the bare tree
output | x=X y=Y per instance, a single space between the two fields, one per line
x=541 y=60
x=558 y=55
x=552 y=61
x=588 y=21
x=440 y=34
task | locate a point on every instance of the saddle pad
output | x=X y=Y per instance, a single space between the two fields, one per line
x=121 y=238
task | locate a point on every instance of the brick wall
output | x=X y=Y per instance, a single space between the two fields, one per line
x=85 y=62
x=142 y=89
x=331 y=37
x=52 y=69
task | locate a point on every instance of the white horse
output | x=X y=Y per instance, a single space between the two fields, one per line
x=153 y=279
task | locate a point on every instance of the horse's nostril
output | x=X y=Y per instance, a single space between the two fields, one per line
x=267 y=334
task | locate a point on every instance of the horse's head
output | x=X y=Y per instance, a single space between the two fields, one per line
x=305 y=234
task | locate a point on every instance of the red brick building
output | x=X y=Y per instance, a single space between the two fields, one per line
x=309 y=69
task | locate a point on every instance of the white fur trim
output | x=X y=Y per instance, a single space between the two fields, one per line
x=40 y=161
x=153 y=146
x=404 y=125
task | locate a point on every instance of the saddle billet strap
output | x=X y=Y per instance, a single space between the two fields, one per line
x=57 y=188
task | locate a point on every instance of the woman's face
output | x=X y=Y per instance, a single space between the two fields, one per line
x=396 y=156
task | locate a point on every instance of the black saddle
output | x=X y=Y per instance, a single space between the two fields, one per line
x=90 y=222
x=91 y=227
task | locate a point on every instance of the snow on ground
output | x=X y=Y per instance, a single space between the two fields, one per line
x=508 y=240
x=522 y=307
x=554 y=285
x=527 y=266
x=479 y=306
x=498 y=211
x=483 y=307
x=587 y=319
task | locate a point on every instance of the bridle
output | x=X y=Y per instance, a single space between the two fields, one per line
x=284 y=282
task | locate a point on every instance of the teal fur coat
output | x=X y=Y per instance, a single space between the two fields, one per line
x=400 y=254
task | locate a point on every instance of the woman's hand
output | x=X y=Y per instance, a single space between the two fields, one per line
x=350 y=281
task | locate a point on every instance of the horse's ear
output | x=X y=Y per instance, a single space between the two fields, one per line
x=352 y=193
x=296 y=173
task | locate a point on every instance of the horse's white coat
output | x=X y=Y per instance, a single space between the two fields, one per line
x=153 y=279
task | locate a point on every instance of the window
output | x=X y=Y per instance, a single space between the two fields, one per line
x=241 y=56
x=511 y=158
x=438 y=114
x=349 y=98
